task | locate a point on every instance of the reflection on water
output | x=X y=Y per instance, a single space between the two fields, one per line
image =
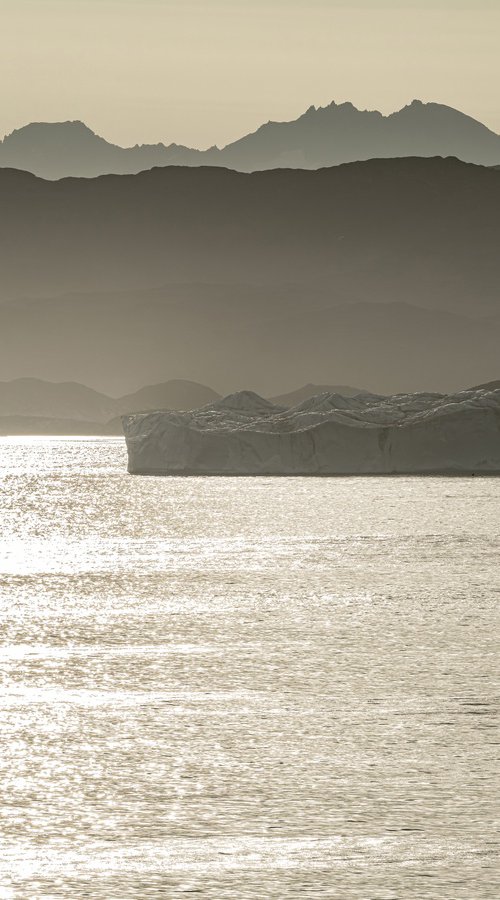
x=244 y=688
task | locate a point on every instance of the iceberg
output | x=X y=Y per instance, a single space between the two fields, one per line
x=328 y=434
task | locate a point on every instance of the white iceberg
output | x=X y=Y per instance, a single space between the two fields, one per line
x=329 y=434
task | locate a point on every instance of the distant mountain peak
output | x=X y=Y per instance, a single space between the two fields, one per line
x=75 y=126
x=322 y=136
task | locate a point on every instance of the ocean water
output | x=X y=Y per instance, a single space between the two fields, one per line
x=245 y=688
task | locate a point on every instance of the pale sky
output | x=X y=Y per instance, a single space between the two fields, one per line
x=200 y=72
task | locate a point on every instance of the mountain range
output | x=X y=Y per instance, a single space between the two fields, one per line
x=324 y=136
x=35 y=406
x=381 y=273
x=419 y=231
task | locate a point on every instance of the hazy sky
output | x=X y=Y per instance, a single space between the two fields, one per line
x=201 y=72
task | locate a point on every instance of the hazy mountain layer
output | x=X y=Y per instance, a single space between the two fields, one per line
x=419 y=231
x=34 y=406
x=36 y=399
x=33 y=397
x=381 y=347
x=382 y=274
x=320 y=137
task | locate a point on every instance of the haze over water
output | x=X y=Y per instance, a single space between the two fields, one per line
x=245 y=688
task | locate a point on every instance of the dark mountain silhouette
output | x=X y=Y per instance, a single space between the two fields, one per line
x=325 y=136
x=423 y=231
x=341 y=133
x=31 y=399
x=46 y=399
x=382 y=274
x=60 y=149
x=173 y=394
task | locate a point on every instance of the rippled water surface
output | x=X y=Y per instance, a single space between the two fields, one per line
x=245 y=688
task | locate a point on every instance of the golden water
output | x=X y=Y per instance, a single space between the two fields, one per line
x=245 y=688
